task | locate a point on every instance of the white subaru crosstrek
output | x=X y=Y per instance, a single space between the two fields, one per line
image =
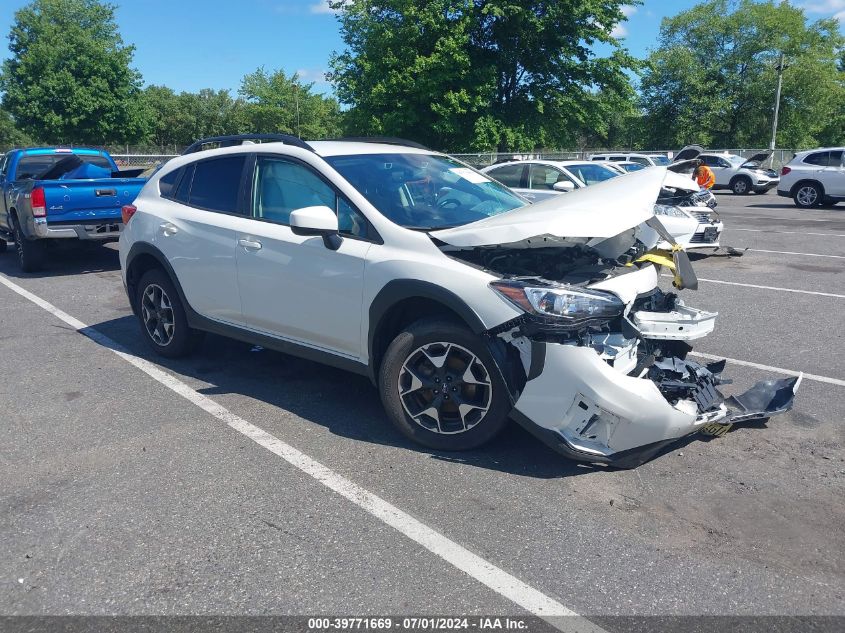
x=464 y=305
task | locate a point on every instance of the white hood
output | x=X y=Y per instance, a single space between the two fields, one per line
x=600 y=211
x=681 y=181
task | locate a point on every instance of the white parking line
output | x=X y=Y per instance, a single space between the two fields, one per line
x=803 y=292
x=503 y=583
x=760 y=250
x=779 y=370
x=730 y=228
x=736 y=283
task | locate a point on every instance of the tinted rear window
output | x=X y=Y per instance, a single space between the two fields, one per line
x=34 y=166
x=216 y=184
x=167 y=182
x=508 y=175
x=819 y=158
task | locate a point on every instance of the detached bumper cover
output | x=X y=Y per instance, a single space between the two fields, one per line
x=584 y=408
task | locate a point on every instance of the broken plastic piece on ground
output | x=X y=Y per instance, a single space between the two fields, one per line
x=763 y=400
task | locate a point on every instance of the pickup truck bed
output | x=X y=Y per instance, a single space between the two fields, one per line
x=61 y=194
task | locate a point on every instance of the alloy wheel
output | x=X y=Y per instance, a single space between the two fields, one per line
x=445 y=388
x=157 y=315
x=807 y=196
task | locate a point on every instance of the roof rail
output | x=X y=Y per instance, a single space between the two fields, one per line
x=238 y=139
x=386 y=140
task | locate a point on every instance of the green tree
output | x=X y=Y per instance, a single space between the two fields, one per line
x=274 y=102
x=478 y=74
x=10 y=135
x=69 y=77
x=712 y=80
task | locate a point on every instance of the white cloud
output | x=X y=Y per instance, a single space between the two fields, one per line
x=835 y=8
x=321 y=7
x=316 y=75
x=620 y=30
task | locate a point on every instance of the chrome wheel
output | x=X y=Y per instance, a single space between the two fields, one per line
x=807 y=196
x=445 y=388
x=157 y=315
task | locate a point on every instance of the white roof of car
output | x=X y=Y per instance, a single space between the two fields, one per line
x=348 y=148
x=540 y=161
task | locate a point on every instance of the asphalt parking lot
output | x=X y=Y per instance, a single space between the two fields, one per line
x=120 y=495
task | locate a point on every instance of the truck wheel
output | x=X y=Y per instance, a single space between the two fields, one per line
x=30 y=252
x=441 y=388
x=162 y=316
x=741 y=186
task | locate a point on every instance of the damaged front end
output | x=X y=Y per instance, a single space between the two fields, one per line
x=618 y=393
x=598 y=361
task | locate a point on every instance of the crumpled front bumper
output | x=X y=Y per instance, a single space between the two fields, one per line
x=590 y=411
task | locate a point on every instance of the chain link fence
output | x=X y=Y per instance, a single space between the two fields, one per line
x=779 y=158
x=150 y=156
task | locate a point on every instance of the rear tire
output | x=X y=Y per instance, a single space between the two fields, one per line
x=162 y=316
x=30 y=253
x=741 y=186
x=808 y=195
x=441 y=388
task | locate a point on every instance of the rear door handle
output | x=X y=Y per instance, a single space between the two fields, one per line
x=251 y=245
x=168 y=228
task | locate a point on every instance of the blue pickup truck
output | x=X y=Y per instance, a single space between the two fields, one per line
x=58 y=193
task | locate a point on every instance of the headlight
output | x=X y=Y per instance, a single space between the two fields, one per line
x=573 y=306
x=674 y=212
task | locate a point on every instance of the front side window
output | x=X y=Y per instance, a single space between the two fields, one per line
x=424 y=191
x=281 y=187
x=545 y=177
x=217 y=184
x=835 y=159
x=590 y=173
x=508 y=175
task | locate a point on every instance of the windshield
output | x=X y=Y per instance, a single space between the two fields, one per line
x=591 y=173
x=659 y=160
x=424 y=191
x=632 y=167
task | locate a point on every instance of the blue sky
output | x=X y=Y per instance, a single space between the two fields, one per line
x=193 y=44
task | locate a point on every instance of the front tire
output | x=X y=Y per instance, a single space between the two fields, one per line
x=741 y=186
x=441 y=388
x=162 y=316
x=808 y=195
x=30 y=252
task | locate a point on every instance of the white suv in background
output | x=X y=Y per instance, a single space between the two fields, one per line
x=648 y=160
x=464 y=305
x=814 y=177
x=741 y=175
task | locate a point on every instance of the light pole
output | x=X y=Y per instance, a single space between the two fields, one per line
x=780 y=68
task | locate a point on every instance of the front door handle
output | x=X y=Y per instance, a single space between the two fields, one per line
x=251 y=245
x=168 y=228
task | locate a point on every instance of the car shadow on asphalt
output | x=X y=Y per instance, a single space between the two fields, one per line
x=65 y=259
x=348 y=405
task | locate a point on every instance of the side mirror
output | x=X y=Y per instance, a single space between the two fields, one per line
x=563 y=185
x=320 y=221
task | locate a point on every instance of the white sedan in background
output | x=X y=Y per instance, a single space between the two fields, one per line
x=692 y=226
x=541 y=179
